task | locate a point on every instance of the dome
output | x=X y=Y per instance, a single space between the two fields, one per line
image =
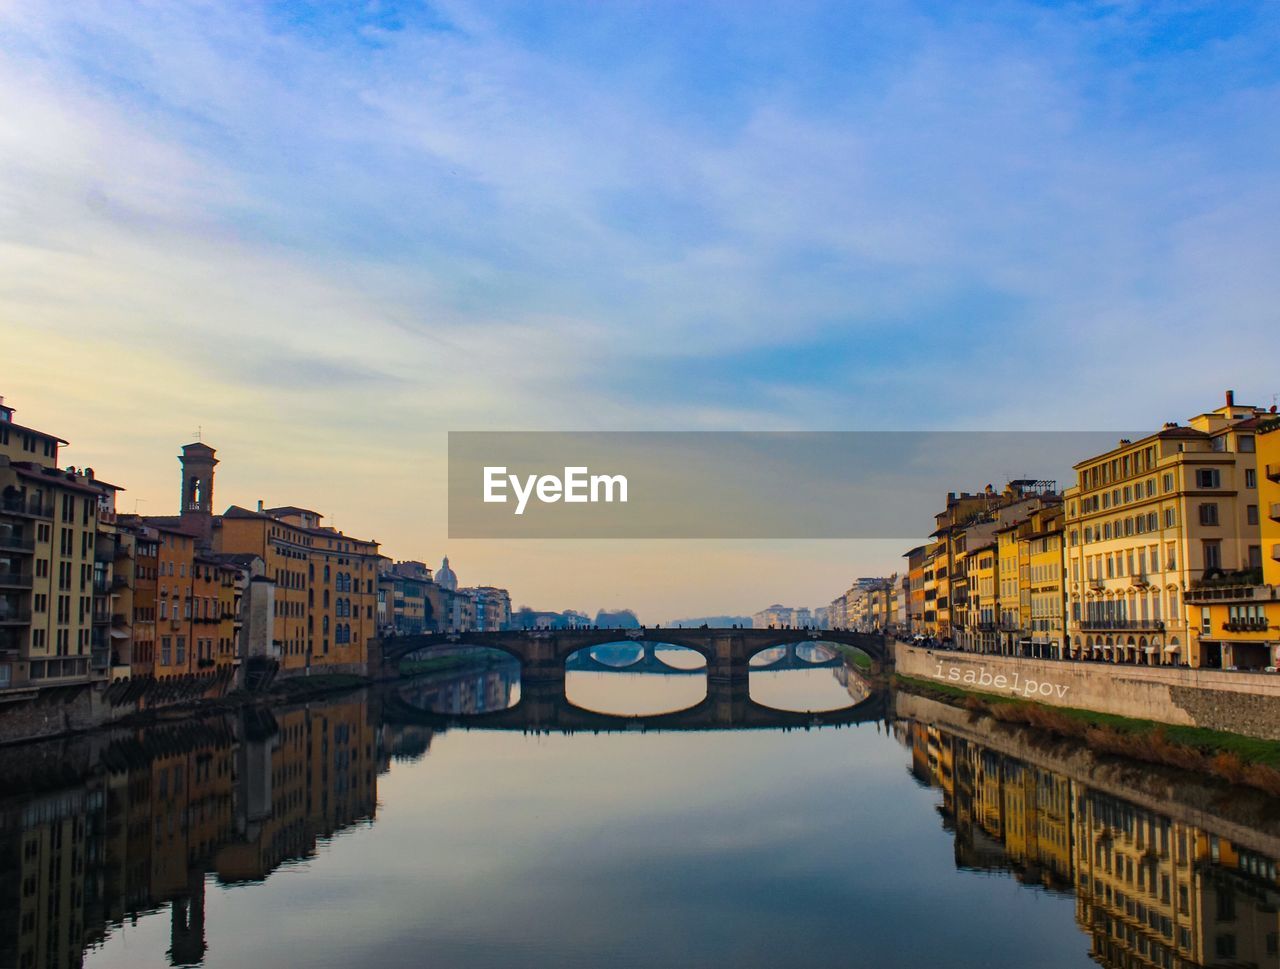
x=445 y=577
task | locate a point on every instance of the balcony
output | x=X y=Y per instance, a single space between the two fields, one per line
x=16 y=543
x=1274 y=513
x=14 y=580
x=100 y=585
x=14 y=617
x=1141 y=581
x=1273 y=472
x=1258 y=625
x=119 y=582
x=1122 y=625
x=100 y=659
x=27 y=505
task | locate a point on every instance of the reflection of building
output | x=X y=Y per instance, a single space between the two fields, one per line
x=1151 y=891
x=158 y=810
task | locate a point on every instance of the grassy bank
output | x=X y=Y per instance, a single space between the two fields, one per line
x=1231 y=757
x=298 y=686
x=854 y=657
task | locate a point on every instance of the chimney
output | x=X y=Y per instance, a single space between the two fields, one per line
x=259 y=504
x=1231 y=398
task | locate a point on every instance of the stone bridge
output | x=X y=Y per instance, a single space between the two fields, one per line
x=543 y=653
x=544 y=708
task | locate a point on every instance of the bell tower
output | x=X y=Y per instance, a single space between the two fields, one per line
x=196 y=507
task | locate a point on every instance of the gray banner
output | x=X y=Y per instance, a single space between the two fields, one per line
x=694 y=484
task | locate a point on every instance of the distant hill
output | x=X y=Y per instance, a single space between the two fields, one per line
x=716 y=622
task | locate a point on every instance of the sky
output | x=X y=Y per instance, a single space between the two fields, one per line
x=327 y=235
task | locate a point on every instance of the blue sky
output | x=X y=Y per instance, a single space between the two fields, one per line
x=383 y=221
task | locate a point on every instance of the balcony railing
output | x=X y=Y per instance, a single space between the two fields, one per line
x=14 y=617
x=100 y=659
x=1275 y=511
x=28 y=505
x=15 y=580
x=16 y=543
x=1122 y=625
x=1247 y=625
x=1273 y=472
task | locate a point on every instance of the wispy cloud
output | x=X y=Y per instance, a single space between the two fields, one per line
x=721 y=215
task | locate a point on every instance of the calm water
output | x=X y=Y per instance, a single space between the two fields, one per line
x=329 y=835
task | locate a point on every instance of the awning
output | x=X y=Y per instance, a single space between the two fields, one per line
x=1173 y=648
x=1148 y=649
x=119 y=634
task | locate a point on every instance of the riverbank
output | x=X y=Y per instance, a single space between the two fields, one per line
x=1231 y=757
x=1230 y=702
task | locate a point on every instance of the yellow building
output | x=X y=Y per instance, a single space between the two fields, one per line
x=1150 y=520
x=326 y=582
x=1268 y=443
x=55 y=576
x=1041 y=538
x=1238 y=616
x=984 y=604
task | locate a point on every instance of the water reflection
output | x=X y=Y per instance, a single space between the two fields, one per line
x=626 y=694
x=1158 y=880
x=808 y=691
x=171 y=844
x=470 y=690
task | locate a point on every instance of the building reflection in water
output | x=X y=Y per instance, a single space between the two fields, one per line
x=1151 y=889
x=495 y=686
x=99 y=830
x=114 y=826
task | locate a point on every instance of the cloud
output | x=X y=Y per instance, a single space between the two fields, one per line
x=464 y=215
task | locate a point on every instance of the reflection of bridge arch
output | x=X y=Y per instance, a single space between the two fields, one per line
x=648 y=661
x=792 y=660
x=545 y=709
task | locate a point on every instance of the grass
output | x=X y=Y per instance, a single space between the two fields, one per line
x=854 y=656
x=317 y=683
x=1232 y=757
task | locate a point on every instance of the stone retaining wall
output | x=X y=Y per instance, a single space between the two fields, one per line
x=1243 y=703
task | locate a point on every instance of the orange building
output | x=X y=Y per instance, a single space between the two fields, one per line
x=326 y=582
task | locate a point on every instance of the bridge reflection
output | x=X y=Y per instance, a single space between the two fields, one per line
x=545 y=707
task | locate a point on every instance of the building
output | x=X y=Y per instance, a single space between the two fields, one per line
x=776 y=616
x=1238 y=614
x=319 y=584
x=325 y=583
x=492 y=608
x=56 y=577
x=410 y=605
x=1155 y=519
x=913 y=590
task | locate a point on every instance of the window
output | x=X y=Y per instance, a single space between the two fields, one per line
x=1212 y=554
x=1209 y=513
x=1251 y=515
x=1208 y=478
x=1250 y=478
x=1167 y=482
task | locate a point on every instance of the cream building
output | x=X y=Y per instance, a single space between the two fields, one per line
x=1151 y=519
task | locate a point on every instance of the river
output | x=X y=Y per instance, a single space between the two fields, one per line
x=333 y=835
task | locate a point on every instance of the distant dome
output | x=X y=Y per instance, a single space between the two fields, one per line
x=445 y=577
